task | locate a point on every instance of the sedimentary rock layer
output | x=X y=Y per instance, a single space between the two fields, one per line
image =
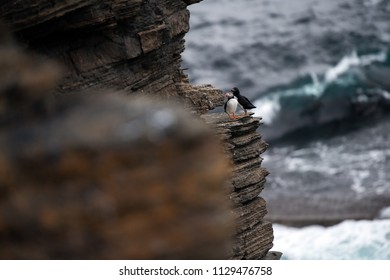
x=243 y=144
x=133 y=46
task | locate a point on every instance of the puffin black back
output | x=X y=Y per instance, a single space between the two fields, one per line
x=243 y=101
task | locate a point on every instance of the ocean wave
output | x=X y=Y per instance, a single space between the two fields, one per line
x=346 y=91
x=352 y=240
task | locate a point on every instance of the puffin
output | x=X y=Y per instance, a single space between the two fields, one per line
x=231 y=105
x=244 y=102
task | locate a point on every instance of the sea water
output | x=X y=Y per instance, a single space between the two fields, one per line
x=357 y=240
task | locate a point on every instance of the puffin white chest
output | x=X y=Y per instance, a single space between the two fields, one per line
x=231 y=106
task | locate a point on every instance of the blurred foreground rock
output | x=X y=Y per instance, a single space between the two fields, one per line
x=108 y=179
x=104 y=176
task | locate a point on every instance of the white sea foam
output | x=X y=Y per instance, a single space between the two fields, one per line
x=347 y=240
x=386 y=95
x=358 y=177
x=306 y=160
x=314 y=78
x=370 y=58
x=344 y=65
x=267 y=108
x=351 y=60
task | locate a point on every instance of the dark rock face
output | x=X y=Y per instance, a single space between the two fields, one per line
x=133 y=46
x=254 y=236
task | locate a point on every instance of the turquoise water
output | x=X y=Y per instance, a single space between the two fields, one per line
x=354 y=240
x=345 y=91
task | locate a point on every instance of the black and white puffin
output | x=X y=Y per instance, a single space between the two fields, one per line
x=244 y=102
x=231 y=105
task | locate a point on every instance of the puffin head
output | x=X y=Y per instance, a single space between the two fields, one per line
x=235 y=91
x=229 y=94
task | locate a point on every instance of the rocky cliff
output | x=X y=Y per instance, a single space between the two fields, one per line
x=76 y=172
x=253 y=234
x=130 y=45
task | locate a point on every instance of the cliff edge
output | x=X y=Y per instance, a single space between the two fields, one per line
x=253 y=236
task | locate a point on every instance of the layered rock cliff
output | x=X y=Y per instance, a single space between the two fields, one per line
x=128 y=45
x=254 y=235
x=76 y=172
